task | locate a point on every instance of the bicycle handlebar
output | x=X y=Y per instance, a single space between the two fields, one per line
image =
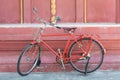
x=44 y=21
x=47 y=23
x=51 y=24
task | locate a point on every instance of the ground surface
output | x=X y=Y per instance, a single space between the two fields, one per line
x=98 y=75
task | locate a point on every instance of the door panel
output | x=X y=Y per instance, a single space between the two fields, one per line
x=43 y=9
x=66 y=10
x=101 y=10
x=9 y=12
x=79 y=10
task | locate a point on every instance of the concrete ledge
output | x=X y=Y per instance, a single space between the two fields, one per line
x=104 y=25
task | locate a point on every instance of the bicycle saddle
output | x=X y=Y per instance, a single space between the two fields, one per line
x=67 y=30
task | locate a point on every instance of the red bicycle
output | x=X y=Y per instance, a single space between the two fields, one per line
x=84 y=53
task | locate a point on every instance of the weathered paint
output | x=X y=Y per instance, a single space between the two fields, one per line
x=79 y=11
x=43 y=9
x=68 y=10
x=101 y=11
x=13 y=40
x=118 y=11
x=9 y=12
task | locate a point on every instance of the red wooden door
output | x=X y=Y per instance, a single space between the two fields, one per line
x=43 y=9
x=9 y=11
x=101 y=11
x=79 y=11
x=67 y=10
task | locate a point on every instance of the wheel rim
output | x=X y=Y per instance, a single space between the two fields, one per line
x=96 y=57
x=28 y=59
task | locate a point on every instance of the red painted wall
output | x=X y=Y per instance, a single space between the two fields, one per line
x=101 y=11
x=9 y=11
x=43 y=8
x=13 y=40
x=68 y=10
x=118 y=11
x=79 y=11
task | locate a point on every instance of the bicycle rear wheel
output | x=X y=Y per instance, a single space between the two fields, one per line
x=28 y=59
x=96 y=55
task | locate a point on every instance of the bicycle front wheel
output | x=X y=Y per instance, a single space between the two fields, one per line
x=96 y=54
x=28 y=59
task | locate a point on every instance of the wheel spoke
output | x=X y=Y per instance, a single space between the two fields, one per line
x=95 y=53
x=28 y=59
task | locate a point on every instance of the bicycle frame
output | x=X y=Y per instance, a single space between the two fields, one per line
x=71 y=37
x=78 y=51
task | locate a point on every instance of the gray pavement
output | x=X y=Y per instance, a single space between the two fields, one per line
x=98 y=75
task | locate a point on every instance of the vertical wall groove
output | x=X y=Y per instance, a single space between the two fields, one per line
x=21 y=11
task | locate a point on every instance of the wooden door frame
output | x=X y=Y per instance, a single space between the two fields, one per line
x=117 y=11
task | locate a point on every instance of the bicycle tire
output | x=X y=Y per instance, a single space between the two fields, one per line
x=27 y=62
x=96 y=56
